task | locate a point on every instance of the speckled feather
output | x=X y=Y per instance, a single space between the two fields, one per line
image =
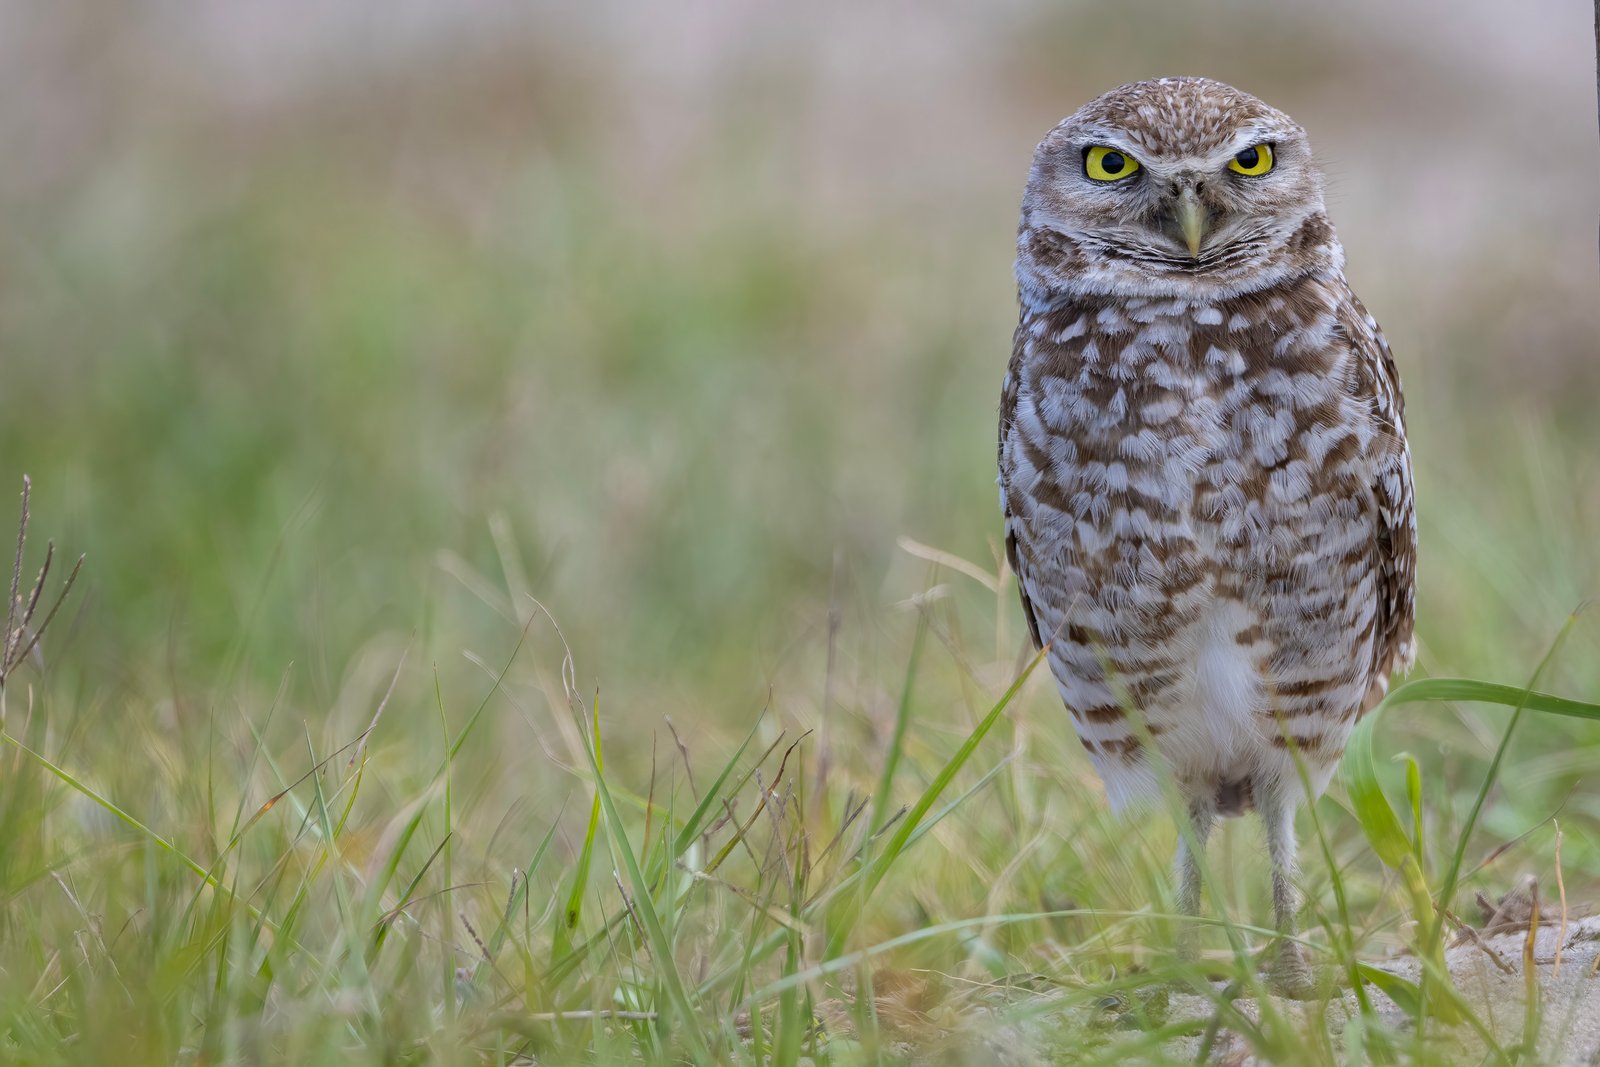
x=1203 y=464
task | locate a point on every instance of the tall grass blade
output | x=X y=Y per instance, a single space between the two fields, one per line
x=842 y=921
x=891 y=758
x=661 y=948
x=497 y=938
x=149 y=834
x=1386 y=833
x=572 y=914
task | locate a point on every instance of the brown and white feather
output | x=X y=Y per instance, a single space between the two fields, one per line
x=1203 y=463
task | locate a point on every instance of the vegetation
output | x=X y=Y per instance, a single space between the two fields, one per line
x=351 y=397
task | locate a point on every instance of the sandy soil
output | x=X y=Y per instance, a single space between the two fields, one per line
x=1488 y=973
x=1490 y=977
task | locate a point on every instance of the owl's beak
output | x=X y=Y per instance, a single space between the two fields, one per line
x=1191 y=219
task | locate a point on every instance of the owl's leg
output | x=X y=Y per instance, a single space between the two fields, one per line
x=1291 y=972
x=1191 y=846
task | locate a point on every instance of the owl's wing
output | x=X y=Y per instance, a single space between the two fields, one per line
x=1008 y=407
x=1022 y=585
x=1396 y=542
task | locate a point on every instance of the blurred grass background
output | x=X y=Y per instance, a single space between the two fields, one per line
x=327 y=330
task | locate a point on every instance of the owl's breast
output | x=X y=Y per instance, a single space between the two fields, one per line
x=1174 y=422
x=1181 y=486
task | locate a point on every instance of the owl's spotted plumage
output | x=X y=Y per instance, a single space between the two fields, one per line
x=1203 y=463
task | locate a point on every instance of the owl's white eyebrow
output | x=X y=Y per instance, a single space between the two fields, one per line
x=1251 y=138
x=1110 y=136
x=1094 y=140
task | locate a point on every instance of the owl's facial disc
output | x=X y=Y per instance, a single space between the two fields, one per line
x=1166 y=185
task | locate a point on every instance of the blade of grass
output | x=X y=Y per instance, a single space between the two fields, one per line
x=660 y=944
x=562 y=968
x=1383 y=828
x=156 y=839
x=391 y=867
x=447 y=963
x=947 y=773
x=1520 y=701
x=1405 y=993
x=709 y=799
x=776 y=940
x=842 y=921
x=497 y=937
x=561 y=944
x=850 y=960
x=891 y=758
x=1441 y=690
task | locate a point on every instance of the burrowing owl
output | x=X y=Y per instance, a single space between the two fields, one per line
x=1203 y=463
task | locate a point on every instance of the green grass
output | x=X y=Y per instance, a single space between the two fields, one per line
x=779 y=914
x=304 y=772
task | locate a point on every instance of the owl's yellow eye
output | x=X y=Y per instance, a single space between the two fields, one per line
x=1107 y=164
x=1253 y=161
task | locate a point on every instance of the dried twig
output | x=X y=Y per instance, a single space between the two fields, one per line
x=722 y=820
x=775 y=914
x=852 y=809
x=476 y=940
x=1511 y=911
x=1467 y=934
x=1530 y=974
x=22 y=653
x=21 y=637
x=627 y=902
x=650 y=797
x=775 y=811
x=741 y=837
x=16 y=573
x=683 y=750
x=1561 y=887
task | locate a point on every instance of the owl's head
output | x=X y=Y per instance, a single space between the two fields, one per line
x=1178 y=187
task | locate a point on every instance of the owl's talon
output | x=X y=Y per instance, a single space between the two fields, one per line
x=1292 y=976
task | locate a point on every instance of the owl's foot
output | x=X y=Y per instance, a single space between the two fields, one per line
x=1292 y=975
